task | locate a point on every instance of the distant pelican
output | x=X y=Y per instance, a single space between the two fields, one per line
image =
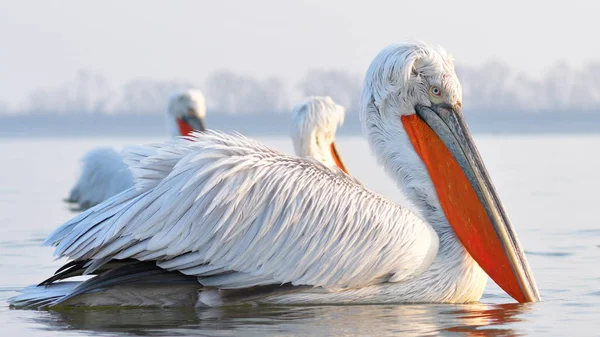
x=314 y=123
x=104 y=173
x=224 y=219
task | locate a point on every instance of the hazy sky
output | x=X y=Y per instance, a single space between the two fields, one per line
x=44 y=43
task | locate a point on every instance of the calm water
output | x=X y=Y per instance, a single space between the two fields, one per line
x=548 y=184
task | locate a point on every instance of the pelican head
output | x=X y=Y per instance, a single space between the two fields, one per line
x=186 y=112
x=411 y=112
x=314 y=123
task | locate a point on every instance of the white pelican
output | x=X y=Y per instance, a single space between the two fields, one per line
x=314 y=123
x=104 y=173
x=225 y=219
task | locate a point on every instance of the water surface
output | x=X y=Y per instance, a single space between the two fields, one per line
x=548 y=185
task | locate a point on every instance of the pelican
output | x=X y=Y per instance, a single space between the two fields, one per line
x=104 y=173
x=224 y=219
x=314 y=123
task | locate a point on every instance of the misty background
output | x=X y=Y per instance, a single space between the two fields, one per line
x=492 y=89
x=496 y=98
x=107 y=67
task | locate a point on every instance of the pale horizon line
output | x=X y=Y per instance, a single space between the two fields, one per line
x=567 y=87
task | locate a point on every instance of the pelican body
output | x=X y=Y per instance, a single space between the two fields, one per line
x=104 y=173
x=314 y=124
x=232 y=221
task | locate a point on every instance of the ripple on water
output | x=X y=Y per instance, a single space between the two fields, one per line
x=588 y=232
x=549 y=254
x=35 y=242
x=380 y=320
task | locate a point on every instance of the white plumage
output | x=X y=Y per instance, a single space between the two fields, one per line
x=190 y=102
x=104 y=173
x=182 y=215
x=254 y=225
x=314 y=124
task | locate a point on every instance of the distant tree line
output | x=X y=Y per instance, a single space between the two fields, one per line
x=492 y=89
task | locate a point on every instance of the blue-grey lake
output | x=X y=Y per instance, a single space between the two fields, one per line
x=549 y=185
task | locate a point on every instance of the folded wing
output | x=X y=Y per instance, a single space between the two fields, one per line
x=238 y=214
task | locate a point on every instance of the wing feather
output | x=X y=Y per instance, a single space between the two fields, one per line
x=238 y=214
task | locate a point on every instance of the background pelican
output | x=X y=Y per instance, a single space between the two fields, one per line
x=314 y=123
x=104 y=173
x=253 y=225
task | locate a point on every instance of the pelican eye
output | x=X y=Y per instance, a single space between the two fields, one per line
x=435 y=91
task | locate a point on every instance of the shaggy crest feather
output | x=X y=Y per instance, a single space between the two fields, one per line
x=314 y=123
x=180 y=103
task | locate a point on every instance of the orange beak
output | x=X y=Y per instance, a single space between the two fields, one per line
x=337 y=159
x=472 y=207
x=190 y=123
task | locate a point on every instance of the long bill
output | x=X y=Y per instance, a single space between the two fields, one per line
x=190 y=123
x=468 y=198
x=337 y=158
